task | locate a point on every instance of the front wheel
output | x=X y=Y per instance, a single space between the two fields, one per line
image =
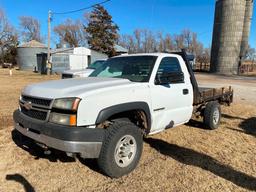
x=121 y=149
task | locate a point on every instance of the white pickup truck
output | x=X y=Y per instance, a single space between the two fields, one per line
x=106 y=115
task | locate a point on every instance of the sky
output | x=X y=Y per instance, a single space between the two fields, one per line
x=167 y=16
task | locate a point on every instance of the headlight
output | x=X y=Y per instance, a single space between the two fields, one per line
x=63 y=119
x=66 y=103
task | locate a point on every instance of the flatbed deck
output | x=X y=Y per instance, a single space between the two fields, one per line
x=223 y=95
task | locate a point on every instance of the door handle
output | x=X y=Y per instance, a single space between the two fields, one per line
x=185 y=91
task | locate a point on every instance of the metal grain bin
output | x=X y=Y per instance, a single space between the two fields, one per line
x=227 y=35
x=247 y=27
x=27 y=55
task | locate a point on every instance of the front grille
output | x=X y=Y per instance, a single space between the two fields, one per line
x=41 y=115
x=67 y=76
x=39 y=107
x=37 y=101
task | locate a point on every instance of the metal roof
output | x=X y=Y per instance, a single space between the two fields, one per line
x=119 y=48
x=33 y=44
x=61 y=50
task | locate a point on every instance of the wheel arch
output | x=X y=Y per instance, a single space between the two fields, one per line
x=107 y=113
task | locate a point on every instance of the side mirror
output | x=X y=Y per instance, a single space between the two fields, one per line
x=169 y=78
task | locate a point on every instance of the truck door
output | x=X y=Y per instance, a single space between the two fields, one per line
x=172 y=102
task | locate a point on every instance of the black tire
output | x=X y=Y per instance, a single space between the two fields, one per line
x=107 y=160
x=212 y=115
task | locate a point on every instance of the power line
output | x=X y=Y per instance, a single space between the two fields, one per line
x=74 y=11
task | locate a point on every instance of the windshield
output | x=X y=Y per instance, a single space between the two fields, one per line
x=95 y=64
x=134 y=68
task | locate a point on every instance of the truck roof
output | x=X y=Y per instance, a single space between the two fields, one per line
x=149 y=54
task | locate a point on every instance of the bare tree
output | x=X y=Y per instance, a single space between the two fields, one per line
x=8 y=40
x=187 y=37
x=168 y=43
x=127 y=42
x=71 y=32
x=149 y=43
x=31 y=28
x=138 y=39
x=204 y=59
x=131 y=42
x=251 y=55
x=197 y=47
x=161 y=45
x=123 y=40
x=194 y=43
x=178 y=41
x=144 y=40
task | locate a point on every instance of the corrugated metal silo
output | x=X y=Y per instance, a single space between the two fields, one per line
x=27 y=54
x=227 y=36
x=247 y=27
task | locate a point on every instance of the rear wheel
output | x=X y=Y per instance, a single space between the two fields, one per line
x=212 y=115
x=121 y=149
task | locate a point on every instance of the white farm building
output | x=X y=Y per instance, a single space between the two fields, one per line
x=74 y=58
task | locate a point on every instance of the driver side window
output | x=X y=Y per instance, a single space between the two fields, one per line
x=169 y=72
x=169 y=65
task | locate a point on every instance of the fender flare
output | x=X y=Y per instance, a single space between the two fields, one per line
x=106 y=113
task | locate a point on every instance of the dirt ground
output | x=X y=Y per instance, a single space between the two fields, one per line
x=186 y=158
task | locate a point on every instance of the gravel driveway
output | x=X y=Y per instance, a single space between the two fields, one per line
x=244 y=87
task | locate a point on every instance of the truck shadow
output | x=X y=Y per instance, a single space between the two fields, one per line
x=196 y=124
x=248 y=126
x=22 y=180
x=91 y=164
x=194 y=158
x=231 y=117
x=35 y=150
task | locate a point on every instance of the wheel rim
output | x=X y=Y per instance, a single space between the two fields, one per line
x=216 y=116
x=125 y=151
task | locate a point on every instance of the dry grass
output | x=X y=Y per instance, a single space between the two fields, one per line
x=186 y=158
x=11 y=87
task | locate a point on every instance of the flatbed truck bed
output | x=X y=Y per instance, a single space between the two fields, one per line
x=224 y=95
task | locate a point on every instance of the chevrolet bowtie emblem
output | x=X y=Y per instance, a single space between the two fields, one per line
x=28 y=105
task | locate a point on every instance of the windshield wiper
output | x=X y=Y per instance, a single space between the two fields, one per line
x=91 y=68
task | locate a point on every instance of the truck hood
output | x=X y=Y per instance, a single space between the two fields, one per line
x=73 y=87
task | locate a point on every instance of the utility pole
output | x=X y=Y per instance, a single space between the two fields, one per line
x=49 y=43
